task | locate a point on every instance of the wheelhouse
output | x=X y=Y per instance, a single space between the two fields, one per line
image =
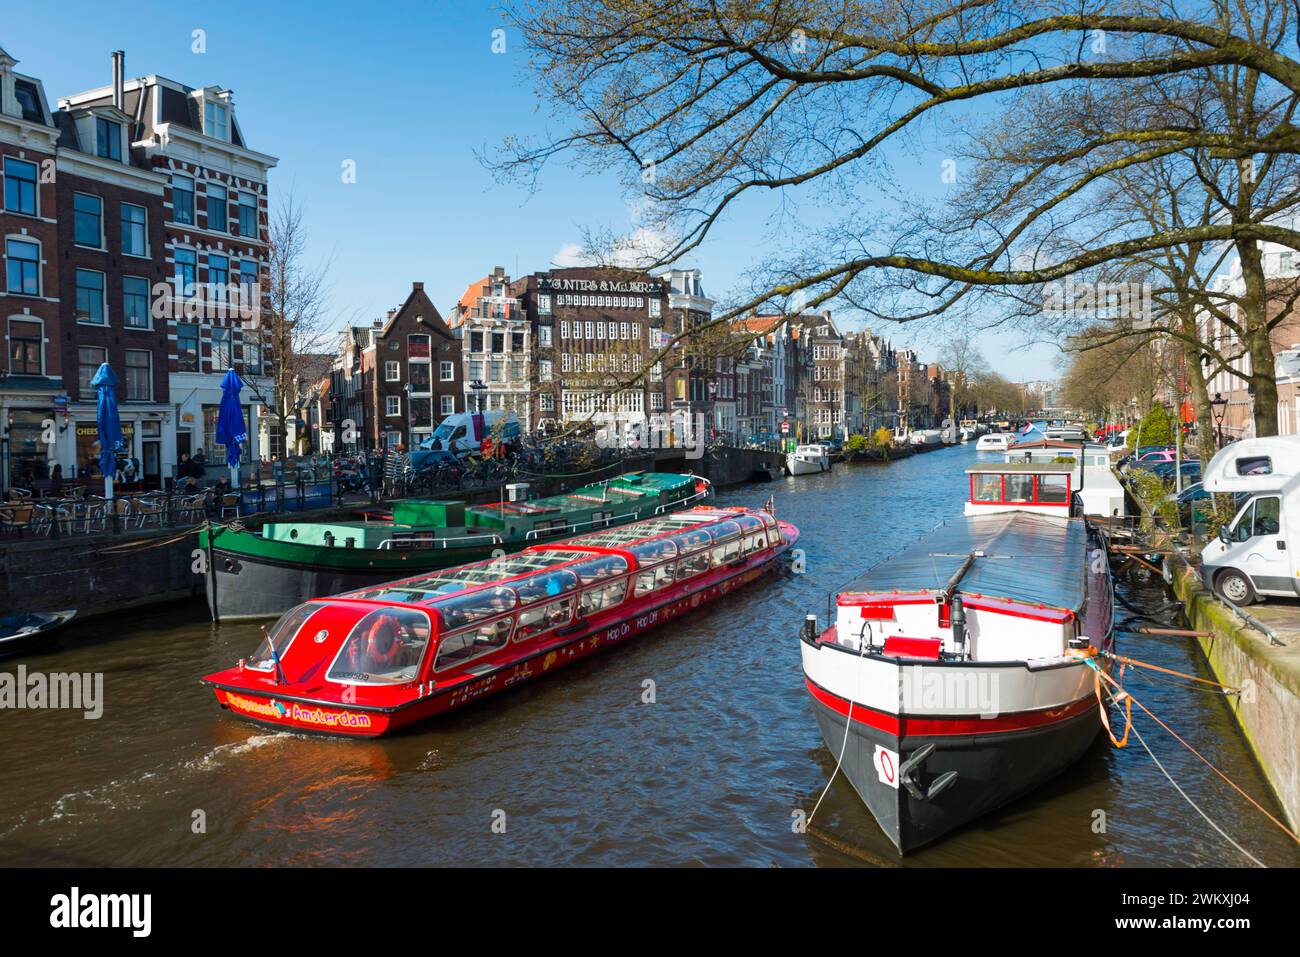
x=1043 y=487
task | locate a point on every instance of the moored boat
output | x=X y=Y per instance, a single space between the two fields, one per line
x=808 y=460
x=961 y=673
x=260 y=573
x=995 y=442
x=26 y=630
x=372 y=661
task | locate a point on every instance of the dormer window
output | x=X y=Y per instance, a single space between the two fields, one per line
x=108 y=139
x=28 y=103
x=216 y=120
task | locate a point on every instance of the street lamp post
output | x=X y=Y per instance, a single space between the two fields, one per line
x=478 y=387
x=1219 y=407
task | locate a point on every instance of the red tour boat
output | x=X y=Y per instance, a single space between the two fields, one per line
x=961 y=672
x=369 y=662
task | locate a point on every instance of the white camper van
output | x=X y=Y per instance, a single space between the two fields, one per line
x=1258 y=553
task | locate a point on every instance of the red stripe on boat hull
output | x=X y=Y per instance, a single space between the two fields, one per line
x=906 y=727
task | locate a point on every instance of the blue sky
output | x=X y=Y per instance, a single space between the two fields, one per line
x=411 y=94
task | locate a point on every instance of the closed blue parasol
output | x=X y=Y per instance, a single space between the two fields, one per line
x=110 y=425
x=230 y=423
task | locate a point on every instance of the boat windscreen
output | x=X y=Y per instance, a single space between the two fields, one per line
x=385 y=647
x=276 y=642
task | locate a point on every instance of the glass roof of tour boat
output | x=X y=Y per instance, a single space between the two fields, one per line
x=440 y=584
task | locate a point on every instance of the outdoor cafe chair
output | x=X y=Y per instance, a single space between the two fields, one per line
x=15 y=519
x=190 y=508
x=229 y=504
x=145 y=509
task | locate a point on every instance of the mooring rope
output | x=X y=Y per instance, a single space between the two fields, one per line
x=1196 y=807
x=848 y=724
x=1204 y=760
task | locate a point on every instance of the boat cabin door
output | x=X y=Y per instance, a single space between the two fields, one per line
x=1254 y=544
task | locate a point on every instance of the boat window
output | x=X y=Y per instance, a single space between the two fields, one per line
x=384 y=647
x=281 y=636
x=463 y=646
x=540 y=618
x=727 y=552
x=725 y=530
x=603 y=596
x=596 y=569
x=755 y=542
x=466 y=609
x=648 y=579
x=655 y=550
x=692 y=565
x=987 y=488
x=692 y=541
x=545 y=585
x=1020 y=488
x=1052 y=489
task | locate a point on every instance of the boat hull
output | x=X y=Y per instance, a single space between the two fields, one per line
x=992 y=767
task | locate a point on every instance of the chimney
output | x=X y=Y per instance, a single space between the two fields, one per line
x=417 y=286
x=391 y=313
x=119 y=81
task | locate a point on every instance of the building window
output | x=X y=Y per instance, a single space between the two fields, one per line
x=544 y=305
x=446 y=372
x=108 y=139
x=139 y=375
x=23 y=267
x=656 y=401
x=135 y=302
x=135 y=232
x=392 y=372
x=475 y=370
x=544 y=336
x=564 y=328
x=89 y=359
x=218 y=275
x=25 y=352
x=90 y=296
x=248 y=215
x=87 y=220
x=544 y=370
x=222 y=359
x=215 y=121
x=187 y=272
x=253 y=355
x=546 y=402
x=447 y=404
x=498 y=342
x=476 y=341
x=182 y=199
x=654 y=308
x=187 y=347
x=591 y=330
x=218 y=218
x=392 y=405
x=20 y=186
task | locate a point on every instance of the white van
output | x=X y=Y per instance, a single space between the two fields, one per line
x=1258 y=552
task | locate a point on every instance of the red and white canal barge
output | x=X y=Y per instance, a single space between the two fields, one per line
x=369 y=662
x=959 y=674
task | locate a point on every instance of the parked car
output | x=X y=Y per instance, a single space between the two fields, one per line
x=1190 y=471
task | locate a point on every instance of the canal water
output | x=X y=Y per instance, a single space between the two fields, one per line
x=579 y=766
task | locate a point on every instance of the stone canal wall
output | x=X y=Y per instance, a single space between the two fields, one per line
x=1241 y=656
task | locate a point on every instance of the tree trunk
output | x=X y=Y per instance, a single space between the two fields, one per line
x=1205 y=437
x=1257 y=343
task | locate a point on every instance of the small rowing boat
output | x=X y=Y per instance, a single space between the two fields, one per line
x=24 y=631
x=370 y=662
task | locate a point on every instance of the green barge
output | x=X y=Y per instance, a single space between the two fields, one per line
x=257 y=573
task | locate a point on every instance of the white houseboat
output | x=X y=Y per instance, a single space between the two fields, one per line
x=959 y=674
